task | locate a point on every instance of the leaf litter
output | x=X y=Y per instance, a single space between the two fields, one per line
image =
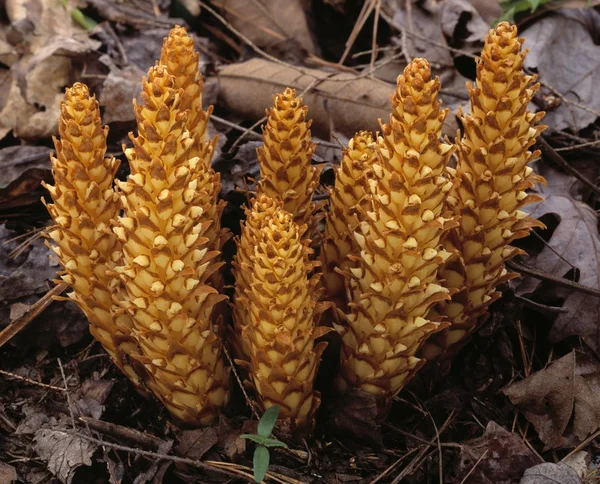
x=530 y=394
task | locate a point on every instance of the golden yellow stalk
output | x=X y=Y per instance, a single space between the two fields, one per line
x=167 y=260
x=285 y=159
x=350 y=188
x=394 y=284
x=282 y=317
x=181 y=60
x=262 y=210
x=492 y=177
x=84 y=204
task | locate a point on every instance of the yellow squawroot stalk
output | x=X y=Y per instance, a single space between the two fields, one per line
x=84 y=204
x=351 y=186
x=394 y=283
x=167 y=260
x=283 y=314
x=181 y=60
x=285 y=159
x=263 y=209
x=492 y=177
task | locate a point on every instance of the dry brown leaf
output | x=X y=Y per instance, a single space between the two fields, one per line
x=574 y=243
x=561 y=401
x=550 y=473
x=347 y=102
x=497 y=457
x=38 y=78
x=270 y=24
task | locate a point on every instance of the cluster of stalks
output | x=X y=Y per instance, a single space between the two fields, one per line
x=411 y=254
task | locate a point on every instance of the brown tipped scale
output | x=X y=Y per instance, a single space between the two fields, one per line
x=166 y=259
x=181 y=60
x=492 y=178
x=393 y=284
x=283 y=313
x=285 y=159
x=84 y=204
x=351 y=186
x=262 y=210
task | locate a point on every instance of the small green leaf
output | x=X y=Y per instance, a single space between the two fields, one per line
x=272 y=442
x=259 y=439
x=267 y=421
x=261 y=462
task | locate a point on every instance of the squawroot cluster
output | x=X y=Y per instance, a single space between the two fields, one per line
x=411 y=252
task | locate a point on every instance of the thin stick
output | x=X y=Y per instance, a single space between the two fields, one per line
x=123 y=433
x=553 y=156
x=576 y=147
x=62 y=372
x=473 y=468
x=32 y=382
x=17 y=325
x=545 y=276
x=374 y=40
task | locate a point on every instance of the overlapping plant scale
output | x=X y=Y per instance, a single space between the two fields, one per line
x=84 y=205
x=394 y=283
x=167 y=259
x=492 y=178
x=411 y=252
x=285 y=160
x=283 y=311
x=351 y=186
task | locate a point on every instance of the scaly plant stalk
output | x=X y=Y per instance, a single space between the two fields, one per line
x=282 y=318
x=84 y=204
x=263 y=209
x=181 y=60
x=394 y=283
x=285 y=159
x=349 y=190
x=167 y=259
x=492 y=178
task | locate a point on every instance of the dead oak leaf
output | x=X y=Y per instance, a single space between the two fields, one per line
x=63 y=452
x=574 y=243
x=561 y=400
x=497 y=457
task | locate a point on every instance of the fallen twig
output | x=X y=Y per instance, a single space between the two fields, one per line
x=545 y=276
x=554 y=157
x=16 y=325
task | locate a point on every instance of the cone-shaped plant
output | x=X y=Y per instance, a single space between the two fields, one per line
x=394 y=285
x=262 y=211
x=492 y=178
x=282 y=318
x=286 y=171
x=166 y=260
x=351 y=186
x=84 y=204
x=181 y=60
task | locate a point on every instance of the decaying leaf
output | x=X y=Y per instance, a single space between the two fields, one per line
x=440 y=23
x=555 y=41
x=64 y=452
x=344 y=102
x=348 y=102
x=561 y=401
x=501 y=458
x=550 y=473
x=22 y=170
x=574 y=243
x=38 y=77
x=26 y=274
x=279 y=27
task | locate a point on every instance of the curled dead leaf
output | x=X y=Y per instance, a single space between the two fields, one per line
x=561 y=401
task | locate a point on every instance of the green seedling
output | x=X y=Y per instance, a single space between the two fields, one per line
x=264 y=442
